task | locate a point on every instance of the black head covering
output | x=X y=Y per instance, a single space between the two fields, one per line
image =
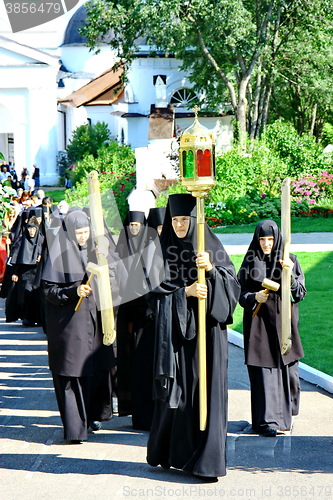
x=29 y=248
x=141 y=256
x=256 y=263
x=128 y=244
x=156 y=217
x=135 y=216
x=180 y=253
x=67 y=260
x=18 y=226
x=35 y=211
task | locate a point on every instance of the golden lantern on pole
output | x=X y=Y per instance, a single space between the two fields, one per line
x=197 y=172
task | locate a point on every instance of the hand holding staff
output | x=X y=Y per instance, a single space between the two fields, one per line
x=93 y=269
x=268 y=285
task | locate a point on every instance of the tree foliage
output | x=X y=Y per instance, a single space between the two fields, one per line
x=238 y=51
x=87 y=139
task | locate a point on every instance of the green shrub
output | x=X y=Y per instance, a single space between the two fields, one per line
x=162 y=200
x=111 y=158
x=327 y=134
x=87 y=139
x=301 y=154
x=115 y=165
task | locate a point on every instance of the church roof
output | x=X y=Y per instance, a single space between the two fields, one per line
x=102 y=90
x=78 y=20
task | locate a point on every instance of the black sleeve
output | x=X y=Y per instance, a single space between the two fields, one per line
x=224 y=292
x=247 y=297
x=298 y=290
x=60 y=294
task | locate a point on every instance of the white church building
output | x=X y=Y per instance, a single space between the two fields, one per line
x=51 y=83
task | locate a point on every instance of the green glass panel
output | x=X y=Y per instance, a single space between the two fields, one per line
x=188 y=162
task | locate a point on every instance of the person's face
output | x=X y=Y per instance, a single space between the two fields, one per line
x=266 y=243
x=159 y=229
x=32 y=231
x=82 y=235
x=135 y=228
x=180 y=225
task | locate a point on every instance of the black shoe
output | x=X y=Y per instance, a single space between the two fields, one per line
x=95 y=425
x=206 y=479
x=269 y=432
x=75 y=441
x=27 y=323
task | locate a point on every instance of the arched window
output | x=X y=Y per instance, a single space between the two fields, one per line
x=182 y=98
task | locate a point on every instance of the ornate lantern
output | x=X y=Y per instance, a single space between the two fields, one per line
x=197 y=169
x=197 y=158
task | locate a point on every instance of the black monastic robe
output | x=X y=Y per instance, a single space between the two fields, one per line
x=175 y=439
x=275 y=388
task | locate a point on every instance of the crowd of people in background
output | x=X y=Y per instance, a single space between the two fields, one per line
x=25 y=181
x=152 y=367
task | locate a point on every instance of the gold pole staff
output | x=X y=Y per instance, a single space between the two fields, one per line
x=286 y=271
x=103 y=280
x=197 y=170
x=6 y=232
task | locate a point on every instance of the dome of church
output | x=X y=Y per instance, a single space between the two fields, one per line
x=77 y=21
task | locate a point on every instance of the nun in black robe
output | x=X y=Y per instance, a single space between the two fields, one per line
x=80 y=363
x=23 y=298
x=274 y=380
x=175 y=438
x=15 y=236
x=156 y=218
x=141 y=255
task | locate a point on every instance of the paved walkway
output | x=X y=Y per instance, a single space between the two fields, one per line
x=36 y=464
x=238 y=243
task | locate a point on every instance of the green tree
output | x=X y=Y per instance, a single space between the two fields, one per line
x=87 y=139
x=303 y=71
x=230 y=48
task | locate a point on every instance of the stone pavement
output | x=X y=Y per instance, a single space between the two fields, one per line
x=36 y=463
x=300 y=242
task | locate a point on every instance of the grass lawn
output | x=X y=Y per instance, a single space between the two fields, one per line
x=298 y=225
x=316 y=323
x=56 y=195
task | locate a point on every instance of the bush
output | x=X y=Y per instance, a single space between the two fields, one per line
x=313 y=188
x=327 y=135
x=301 y=154
x=111 y=158
x=115 y=165
x=162 y=200
x=87 y=139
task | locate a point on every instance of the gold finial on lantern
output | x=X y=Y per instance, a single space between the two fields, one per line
x=197 y=158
